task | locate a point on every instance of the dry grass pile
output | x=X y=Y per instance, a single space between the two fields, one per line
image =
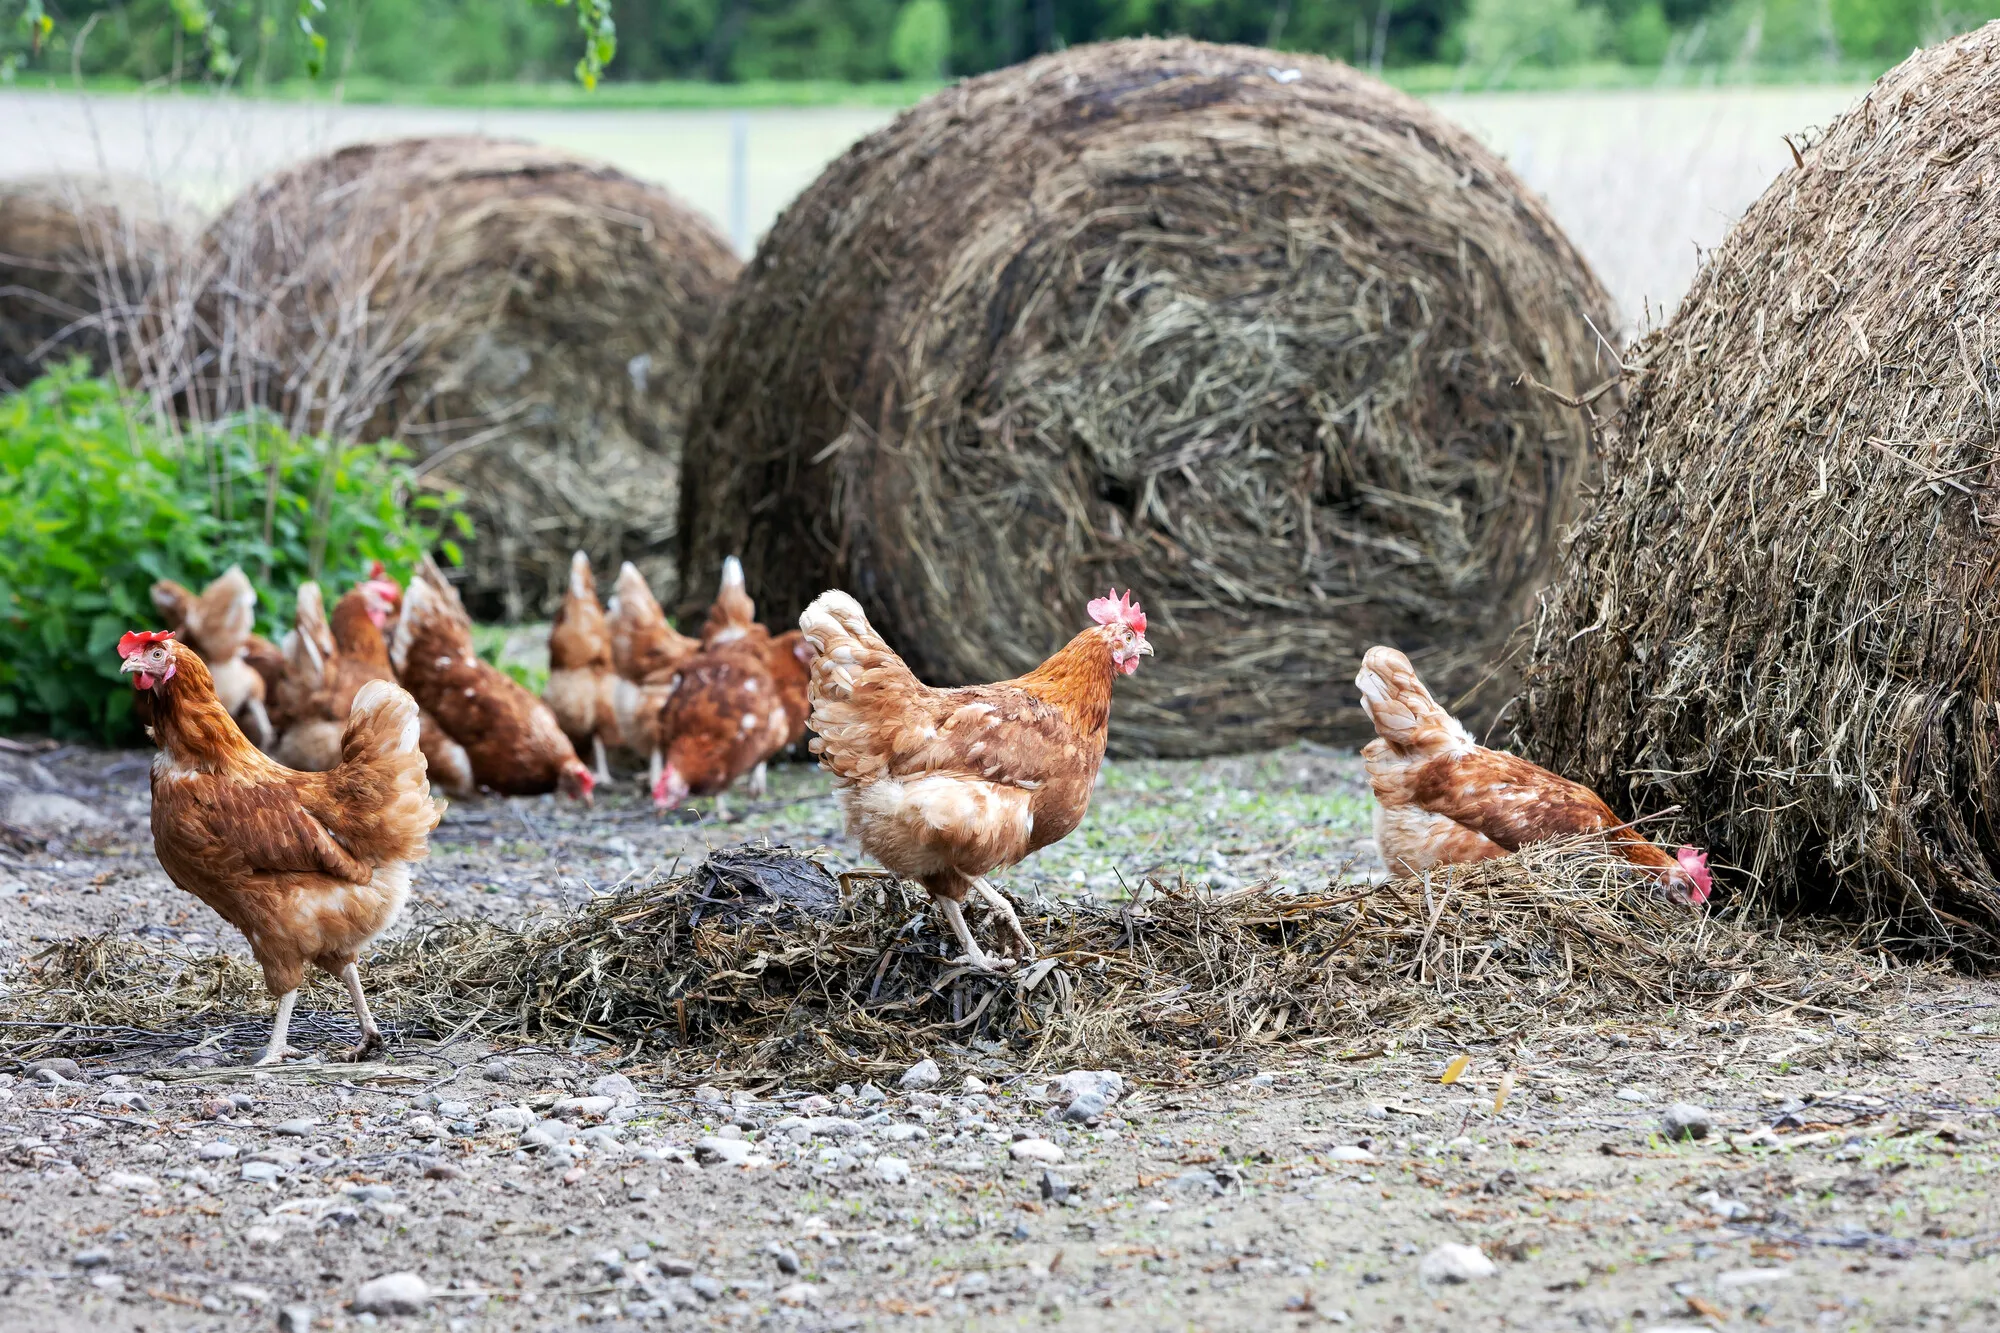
x=761 y=962
x=529 y=321
x=1240 y=329
x=79 y=260
x=1779 y=613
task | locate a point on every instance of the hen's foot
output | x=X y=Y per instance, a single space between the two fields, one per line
x=277 y=1055
x=370 y=1043
x=983 y=962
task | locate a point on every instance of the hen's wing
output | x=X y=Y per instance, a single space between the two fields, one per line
x=260 y=826
x=1509 y=800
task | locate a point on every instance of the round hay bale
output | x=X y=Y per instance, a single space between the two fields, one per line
x=528 y=320
x=78 y=260
x=1779 y=614
x=1238 y=329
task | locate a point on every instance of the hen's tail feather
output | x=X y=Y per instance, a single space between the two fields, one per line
x=309 y=619
x=853 y=688
x=582 y=586
x=1405 y=715
x=222 y=619
x=733 y=613
x=382 y=808
x=432 y=605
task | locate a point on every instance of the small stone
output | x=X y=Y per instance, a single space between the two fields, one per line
x=295 y=1319
x=369 y=1193
x=1035 y=1150
x=215 y=1108
x=1105 y=1082
x=595 y=1107
x=709 y=1095
x=296 y=1129
x=1452 y=1262
x=1633 y=1095
x=1349 y=1152
x=89 y=1259
x=263 y=1238
x=726 y=1152
x=1054 y=1188
x=974 y=1083
x=1196 y=1183
x=617 y=1087
x=1086 y=1108
x=497 y=1070
x=217 y=1151
x=675 y=1267
x=833 y=1127
x=510 y=1117
x=798 y=1294
x=1726 y=1209
x=922 y=1074
x=441 y=1171
x=706 y=1287
x=128 y=1180
x=787 y=1261
x=870 y=1095
x=66 y=1070
x=261 y=1173
x=815 y=1105
x=891 y=1170
x=1685 y=1122
x=903 y=1133
x=392 y=1293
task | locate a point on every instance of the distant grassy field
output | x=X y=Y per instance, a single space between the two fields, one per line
x=692 y=95
x=1641 y=178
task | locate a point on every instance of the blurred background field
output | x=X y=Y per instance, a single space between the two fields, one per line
x=1639 y=178
x=1648 y=124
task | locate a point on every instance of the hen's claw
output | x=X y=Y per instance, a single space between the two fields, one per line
x=280 y=1055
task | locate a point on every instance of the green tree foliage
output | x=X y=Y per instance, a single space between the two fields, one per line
x=920 y=44
x=1500 y=34
x=96 y=502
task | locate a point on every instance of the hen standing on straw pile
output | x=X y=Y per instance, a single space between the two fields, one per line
x=1443 y=799
x=947 y=786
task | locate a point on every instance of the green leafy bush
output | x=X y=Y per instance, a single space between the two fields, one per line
x=96 y=502
x=920 y=43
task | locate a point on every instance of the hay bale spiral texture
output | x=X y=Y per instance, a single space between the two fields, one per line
x=528 y=320
x=1779 y=614
x=1241 y=330
x=79 y=257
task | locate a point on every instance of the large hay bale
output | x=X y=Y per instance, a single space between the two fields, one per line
x=1242 y=330
x=78 y=260
x=1779 y=614
x=528 y=320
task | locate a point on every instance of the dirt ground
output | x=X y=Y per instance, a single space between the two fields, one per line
x=1842 y=1184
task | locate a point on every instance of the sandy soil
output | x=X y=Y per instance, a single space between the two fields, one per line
x=1841 y=1186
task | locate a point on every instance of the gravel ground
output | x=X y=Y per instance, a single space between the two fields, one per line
x=1840 y=1183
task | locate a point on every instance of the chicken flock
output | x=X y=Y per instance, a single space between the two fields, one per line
x=292 y=791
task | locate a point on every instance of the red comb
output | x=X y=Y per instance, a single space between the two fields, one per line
x=378 y=570
x=1116 y=607
x=137 y=639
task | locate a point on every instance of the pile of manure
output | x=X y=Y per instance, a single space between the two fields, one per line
x=1242 y=330
x=762 y=962
x=1780 y=612
x=528 y=321
x=79 y=261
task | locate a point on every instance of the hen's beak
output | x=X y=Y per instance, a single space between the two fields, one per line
x=1144 y=646
x=131 y=664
